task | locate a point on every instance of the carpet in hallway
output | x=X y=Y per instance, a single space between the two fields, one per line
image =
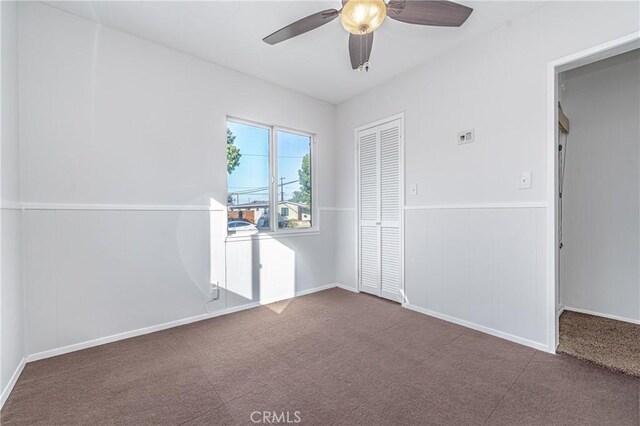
x=610 y=343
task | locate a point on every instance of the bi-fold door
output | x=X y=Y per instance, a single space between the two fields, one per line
x=380 y=189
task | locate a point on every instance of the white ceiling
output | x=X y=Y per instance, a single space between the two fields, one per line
x=229 y=33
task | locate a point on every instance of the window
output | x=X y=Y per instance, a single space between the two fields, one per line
x=294 y=171
x=269 y=170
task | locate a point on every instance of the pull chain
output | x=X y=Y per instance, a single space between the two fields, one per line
x=363 y=49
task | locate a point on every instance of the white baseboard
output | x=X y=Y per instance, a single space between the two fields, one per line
x=296 y=294
x=598 y=314
x=346 y=287
x=560 y=310
x=159 y=327
x=12 y=382
x=478 y=327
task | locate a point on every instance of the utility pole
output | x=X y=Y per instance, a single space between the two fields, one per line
x=282 y=188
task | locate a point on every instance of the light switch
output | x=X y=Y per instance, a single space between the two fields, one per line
x=414 y=189
x=525 y=180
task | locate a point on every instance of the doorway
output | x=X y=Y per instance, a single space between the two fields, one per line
x=380 y=213
x=594 y=203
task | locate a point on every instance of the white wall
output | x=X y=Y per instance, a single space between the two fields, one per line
x=479 y=258
x=602 y=187
x=12 y=301
x=110 y=119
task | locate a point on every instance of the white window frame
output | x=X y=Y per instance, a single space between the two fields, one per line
x=273 y=186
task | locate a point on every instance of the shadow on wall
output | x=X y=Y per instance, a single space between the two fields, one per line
x=234 y=271
x=97 y=273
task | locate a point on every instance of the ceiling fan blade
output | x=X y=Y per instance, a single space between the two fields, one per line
x=360 y=49
x=424 y=12
x=302 y=26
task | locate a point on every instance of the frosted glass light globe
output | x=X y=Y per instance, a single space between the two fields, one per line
x=363 y=16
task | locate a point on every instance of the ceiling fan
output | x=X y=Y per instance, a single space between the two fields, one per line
x=362 y=17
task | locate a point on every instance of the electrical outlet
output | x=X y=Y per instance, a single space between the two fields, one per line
x=525 y=180
x=466 y=136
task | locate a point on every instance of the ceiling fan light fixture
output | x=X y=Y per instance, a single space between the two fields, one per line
x=363 y=16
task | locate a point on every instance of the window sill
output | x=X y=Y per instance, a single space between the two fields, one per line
x=273 y=235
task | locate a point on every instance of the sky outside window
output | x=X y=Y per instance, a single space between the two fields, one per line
x=249 y=182
x=291 y=151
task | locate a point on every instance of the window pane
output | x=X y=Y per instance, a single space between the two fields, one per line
x=294 y=184
x=248 y=178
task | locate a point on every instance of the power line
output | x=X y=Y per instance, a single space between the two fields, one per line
x=251 y=191
x=266 y=155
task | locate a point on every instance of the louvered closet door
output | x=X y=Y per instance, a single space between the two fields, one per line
x=390 y=189
x=369 y=211
x=380 y=210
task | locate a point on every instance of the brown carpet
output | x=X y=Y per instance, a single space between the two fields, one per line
x=335 y=358
x=605 y=342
